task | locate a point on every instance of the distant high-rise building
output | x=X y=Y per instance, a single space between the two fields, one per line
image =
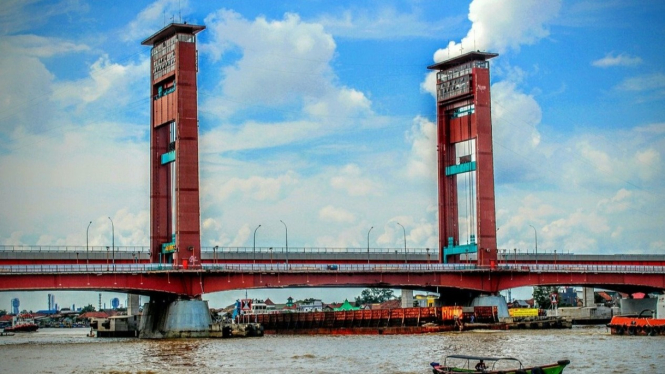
x=15 y=304
x=51 y=302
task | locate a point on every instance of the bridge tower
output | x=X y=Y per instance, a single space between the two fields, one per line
x=467 y=219
x=175 y=228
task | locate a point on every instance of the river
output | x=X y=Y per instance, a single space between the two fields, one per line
x=590 y=350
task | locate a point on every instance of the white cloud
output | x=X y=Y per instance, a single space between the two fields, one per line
x=334 y=214
x=109 y=84
x=155 y=16
x=379 y=22
x=501 y=26
x=621 y=59
x=650 y=82
x=258 y=188
x=422 y=159
x=350 y=179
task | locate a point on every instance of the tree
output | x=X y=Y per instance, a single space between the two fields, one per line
x=2 y=312
x=541 y=296
x=88 y=308
x=374 y=295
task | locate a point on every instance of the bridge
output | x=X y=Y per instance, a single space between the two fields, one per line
x=175 y=265
x=221 y=269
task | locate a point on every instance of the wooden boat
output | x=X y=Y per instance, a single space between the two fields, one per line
x=505 y=365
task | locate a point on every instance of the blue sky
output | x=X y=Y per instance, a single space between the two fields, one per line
x=321 y=114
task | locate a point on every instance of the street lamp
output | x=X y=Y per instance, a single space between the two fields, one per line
x=536 y=235
x=270 y=258
x=287 y=242
x=87 y=256
x=112 y=242
x=214 y=255
x=427 y=249
x=404 y=231
x=107 y=258
x=254 y=250
x=370 y=230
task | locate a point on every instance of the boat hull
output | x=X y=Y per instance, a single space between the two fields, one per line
x=637 y=326
x=22 y=328
x=544 y=369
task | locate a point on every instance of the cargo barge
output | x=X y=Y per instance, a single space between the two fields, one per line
x=397 y=321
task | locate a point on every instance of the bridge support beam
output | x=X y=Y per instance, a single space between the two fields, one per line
x=165 y=317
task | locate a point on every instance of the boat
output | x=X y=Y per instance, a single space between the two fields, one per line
x=647 y=323
x=504 y=365
x=637 y=325
x=22 y=323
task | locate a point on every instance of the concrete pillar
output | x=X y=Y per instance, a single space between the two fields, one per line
x=133 y=304
x=498 y=301
x=588 y=297
x=168 y=318
x=407 y=298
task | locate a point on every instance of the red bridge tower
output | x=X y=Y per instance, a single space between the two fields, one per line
x=467 y=219
x=175 y=229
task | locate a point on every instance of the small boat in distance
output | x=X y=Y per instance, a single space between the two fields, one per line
x=22 y=323
x=505 y=365
x=647 y=323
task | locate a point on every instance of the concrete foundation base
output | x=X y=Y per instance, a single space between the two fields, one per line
x=498 y=301
x=176 y=319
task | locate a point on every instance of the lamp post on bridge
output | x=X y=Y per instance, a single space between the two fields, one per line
x=112 y=242
x=404 y=231
x=254 y=247
x=370 y=230
x=214 y=255
x=287 y=242
x=536 y=235
x=87 y=256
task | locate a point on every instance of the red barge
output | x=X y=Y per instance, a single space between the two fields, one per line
x=397 y=321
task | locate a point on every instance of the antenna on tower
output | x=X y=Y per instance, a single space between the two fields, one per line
x=179 y=14
x=474 y=38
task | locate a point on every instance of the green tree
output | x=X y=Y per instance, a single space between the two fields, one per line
x=88 y=308
x=374 y=295
x=2 y=312
x=541 y=296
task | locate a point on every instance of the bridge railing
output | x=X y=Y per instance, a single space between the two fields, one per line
x=219 y=250
x=316 y=268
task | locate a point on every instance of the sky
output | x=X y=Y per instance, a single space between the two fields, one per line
x=322 y=115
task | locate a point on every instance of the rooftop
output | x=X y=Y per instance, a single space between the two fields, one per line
x=170 y=30
x=467 y=57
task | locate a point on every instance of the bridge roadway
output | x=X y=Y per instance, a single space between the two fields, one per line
x=11 y=255
x=176 y=280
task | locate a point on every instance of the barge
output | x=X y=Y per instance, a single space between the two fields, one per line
x=396 y=321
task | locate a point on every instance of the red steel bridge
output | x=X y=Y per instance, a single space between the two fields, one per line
x=176 y=265
x=128 y=269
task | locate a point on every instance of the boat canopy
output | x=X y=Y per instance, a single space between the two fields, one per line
x=467 y=357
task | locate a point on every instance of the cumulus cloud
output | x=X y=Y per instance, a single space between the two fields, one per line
x=422 y=159
x=621 y=59
x=334 y=214
x=350 y=179
x=154 y=17
x=502 y=26
x=107 y=82
x=258 y=188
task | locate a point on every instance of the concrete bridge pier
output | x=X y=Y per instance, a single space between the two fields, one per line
x=489 y=300
x=175 y=318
